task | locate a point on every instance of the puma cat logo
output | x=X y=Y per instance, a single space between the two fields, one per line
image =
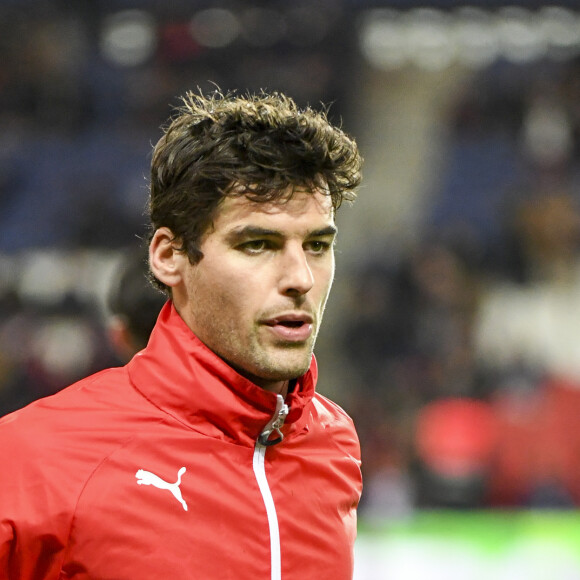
x=148 y=478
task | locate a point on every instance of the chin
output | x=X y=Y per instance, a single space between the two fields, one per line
x=278 y=366
x=288 y=373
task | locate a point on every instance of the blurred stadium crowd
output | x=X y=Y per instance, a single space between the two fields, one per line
x=463 y=352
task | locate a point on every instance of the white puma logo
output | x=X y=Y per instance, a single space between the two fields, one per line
x=148 y=478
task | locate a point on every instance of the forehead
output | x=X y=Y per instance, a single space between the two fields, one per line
x=302 y=208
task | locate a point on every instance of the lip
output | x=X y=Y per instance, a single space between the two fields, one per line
x=292 y=327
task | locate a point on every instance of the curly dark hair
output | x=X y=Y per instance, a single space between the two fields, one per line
x=261 y=146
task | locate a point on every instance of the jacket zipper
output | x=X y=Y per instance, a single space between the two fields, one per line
x=262 y=444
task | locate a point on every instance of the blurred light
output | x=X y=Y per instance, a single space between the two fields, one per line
x=45 y=277
x=519 y=35
x=382 y=39
x=129 y=38
x=48 y=276
x=215 y=27
x=64 y=347
x=547 y=133
x=263 y=27
x=476 y=38
x=430 y=45
x=561 y=27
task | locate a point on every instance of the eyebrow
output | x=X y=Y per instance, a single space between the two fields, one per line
x=327 y=231
x=255 y=231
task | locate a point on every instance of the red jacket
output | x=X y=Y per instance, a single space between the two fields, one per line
x=154 y=470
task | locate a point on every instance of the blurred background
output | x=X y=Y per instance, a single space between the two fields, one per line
x=453 y=335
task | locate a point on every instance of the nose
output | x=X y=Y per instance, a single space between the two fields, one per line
x=296 y=276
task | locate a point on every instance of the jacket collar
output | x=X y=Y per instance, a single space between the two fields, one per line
x=180 y=375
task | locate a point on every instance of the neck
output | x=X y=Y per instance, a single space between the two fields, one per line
x=277 y=387
x=280 y=387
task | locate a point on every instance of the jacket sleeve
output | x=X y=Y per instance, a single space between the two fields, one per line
x=33 y=523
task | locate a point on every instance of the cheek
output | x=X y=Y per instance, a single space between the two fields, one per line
x=325 y=277
x=224 y=299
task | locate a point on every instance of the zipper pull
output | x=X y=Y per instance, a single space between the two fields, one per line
x=275 y=424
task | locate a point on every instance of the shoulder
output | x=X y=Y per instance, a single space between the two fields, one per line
x=328 y=410
x=63 y=408
x=49 y=449
x=335 y=421
x=62 y=437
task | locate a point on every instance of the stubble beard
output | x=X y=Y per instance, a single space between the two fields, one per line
x=275 y=361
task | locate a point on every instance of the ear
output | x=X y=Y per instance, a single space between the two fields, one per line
x=165 y=259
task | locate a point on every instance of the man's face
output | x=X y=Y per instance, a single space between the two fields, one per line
x=257 y=296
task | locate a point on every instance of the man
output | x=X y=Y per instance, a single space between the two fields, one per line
x=133 y=305
x=209 y=455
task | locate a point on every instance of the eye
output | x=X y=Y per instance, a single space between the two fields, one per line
x=318 y=246
x=254 y=246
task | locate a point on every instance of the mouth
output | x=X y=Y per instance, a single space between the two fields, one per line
x=291 y=327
